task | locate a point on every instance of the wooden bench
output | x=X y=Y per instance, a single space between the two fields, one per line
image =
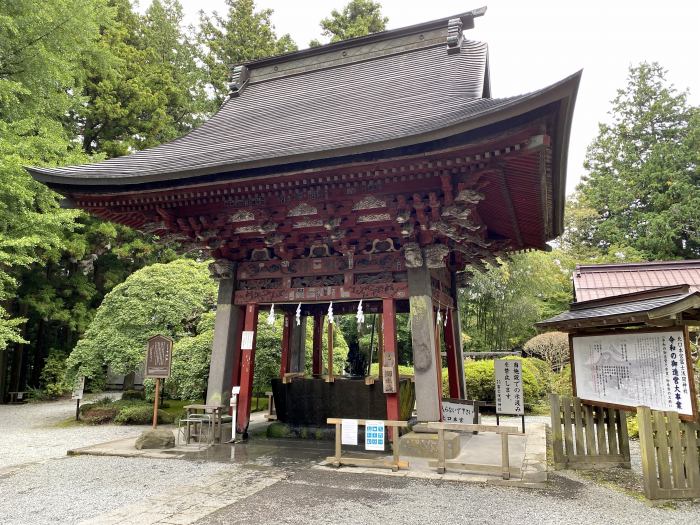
x=504 y=469
x=16 y=397
x=394 y=464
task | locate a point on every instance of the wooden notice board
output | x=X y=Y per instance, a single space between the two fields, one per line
x=629 y=368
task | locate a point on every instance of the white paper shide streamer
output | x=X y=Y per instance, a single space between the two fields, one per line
x=360 y=314
x=298 y=315
x=271 y=315
x=330 y=313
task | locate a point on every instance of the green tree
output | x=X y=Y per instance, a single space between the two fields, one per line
x=500 y=306
x=162 y=298
x=642 y=188
x=358 y=18
x=40 y=78
x=144 y=86
x=242 y=35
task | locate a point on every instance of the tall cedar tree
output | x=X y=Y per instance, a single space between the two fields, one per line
x=642 y=189
x=358 y=18
x=242 y=35
x=144 y=86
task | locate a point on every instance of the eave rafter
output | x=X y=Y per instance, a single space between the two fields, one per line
x=433 y=200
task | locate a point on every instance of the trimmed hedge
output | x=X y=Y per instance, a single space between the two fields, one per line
x=140 y=415
x=481 y=379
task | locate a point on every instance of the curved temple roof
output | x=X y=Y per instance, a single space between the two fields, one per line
x=386 y=90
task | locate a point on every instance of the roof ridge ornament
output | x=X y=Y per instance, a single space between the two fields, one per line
x=455 y=37
x=239 y=80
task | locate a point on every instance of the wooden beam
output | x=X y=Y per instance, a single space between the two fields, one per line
x=508 y=201
x=247 y=370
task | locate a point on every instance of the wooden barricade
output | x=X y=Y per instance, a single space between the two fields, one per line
x=271 y=410
x=585 y=436
x=504 y=469
x=394 y=464
x=670 y=450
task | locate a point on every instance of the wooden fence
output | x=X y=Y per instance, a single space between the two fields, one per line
x=504 y=469
x=585 y=436
x=670 y=453
x=395 y=463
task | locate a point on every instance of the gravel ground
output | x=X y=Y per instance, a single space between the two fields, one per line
x=73 y=489
x=32 y=432
x=315 y=496
x=41 y=485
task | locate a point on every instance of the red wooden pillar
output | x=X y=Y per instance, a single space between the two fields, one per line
x=247 y=368
x=451 y=350
x=389 y=328
x=317 y=356
x=286 y=339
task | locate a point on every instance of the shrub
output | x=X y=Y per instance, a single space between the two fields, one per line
x=99 y=415
x=105 y=401
x=133 y=395
x=53 y=375
x=633 y=426
x=553 y=347
x=561 y=384
x=481 y=381
x=140 y=414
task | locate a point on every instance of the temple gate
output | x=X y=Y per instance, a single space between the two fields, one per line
x=374 y=169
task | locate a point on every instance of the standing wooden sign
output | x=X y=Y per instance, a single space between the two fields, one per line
x=158 y=364
x=159 y=356
x=389 y=373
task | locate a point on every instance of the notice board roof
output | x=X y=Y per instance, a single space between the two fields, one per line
x=659 y=307
x=592 y=281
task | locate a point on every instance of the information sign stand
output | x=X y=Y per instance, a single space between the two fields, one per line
x=509 y=389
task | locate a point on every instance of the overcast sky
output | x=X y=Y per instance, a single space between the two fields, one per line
x=534 y=43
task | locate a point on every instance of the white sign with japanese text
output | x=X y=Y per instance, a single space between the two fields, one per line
x=349 y=431
x=78 y=388
x=459 y=411
x=509 y=387
x=634 y=369
x=247 y=340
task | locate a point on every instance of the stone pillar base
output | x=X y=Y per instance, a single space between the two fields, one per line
x=424 y=445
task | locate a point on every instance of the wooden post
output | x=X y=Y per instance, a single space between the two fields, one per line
x=317 y=360
x=441 y=451
x=155 y=404
x=338 y=433
x=330 y=353
x=451 y=350
x=247 y=369
x=557 y=437
x=388 y=344
x=505 y=458
x=286 y=340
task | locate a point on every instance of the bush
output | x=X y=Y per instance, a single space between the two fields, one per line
x=633 y=426
x=53 y=375
x=140 y=415
x=105 y=401
x=481 y=381
x=133 y=395
x=99 y=415
x=561 y=384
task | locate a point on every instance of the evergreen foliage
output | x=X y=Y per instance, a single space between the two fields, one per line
x=167 y=299
x=642 y=188
x=358 y=18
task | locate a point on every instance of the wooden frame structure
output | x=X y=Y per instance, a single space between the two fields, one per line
x=670 y=455
x=395 y=464
x=586 y=436
x=504 y=469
